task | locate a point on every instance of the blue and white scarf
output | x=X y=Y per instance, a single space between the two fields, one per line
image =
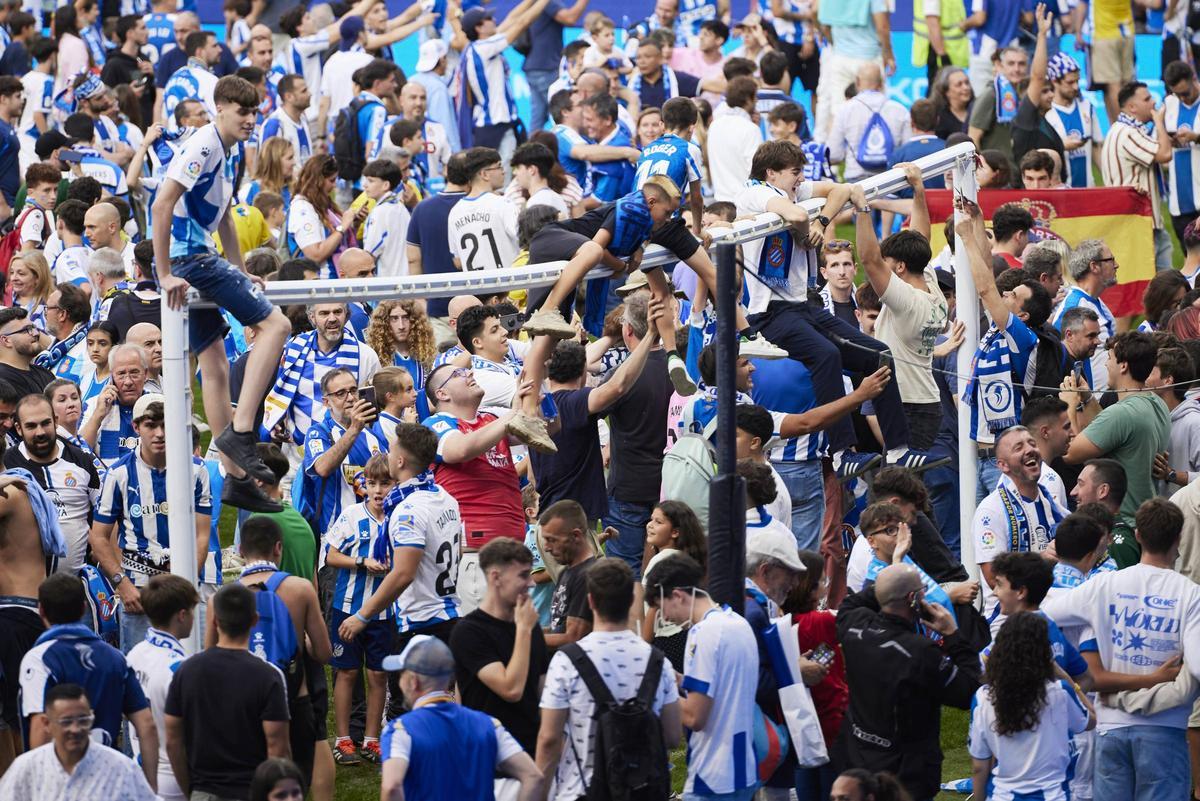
x=1007 y=100
x=382 y=552
x=670 y=83
x=294 y=379
x=1068 y=576
x=1020 y=533
x=991 y=383
x=827 y=299
x=53 y=355
x=704 y=410
x=775 y=259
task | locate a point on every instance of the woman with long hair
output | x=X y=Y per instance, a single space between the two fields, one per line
x=954 y=98
x=673 y=528
x=73 y=55
x=29 y=277
x=816 y=630
x=995 y=170
x=1162 y=297
x=316 y=227
x=401 y=335
x=274 y=170
x=1025 y=714
x=1185 y=325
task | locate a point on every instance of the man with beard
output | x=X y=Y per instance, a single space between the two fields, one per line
x=1075 y=120
x=1019 y=515
x=108 y=418
x=20 y=342
x=65 y=472
x=289 y=119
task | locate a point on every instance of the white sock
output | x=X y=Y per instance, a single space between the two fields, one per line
x=896 y=454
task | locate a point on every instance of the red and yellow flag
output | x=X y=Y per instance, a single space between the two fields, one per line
x=1118 y=215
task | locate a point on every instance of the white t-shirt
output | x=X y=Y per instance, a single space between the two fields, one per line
x=779 y=252
x=861 y=555
x=1033 y=762
x=993 y=535
x=1141 y=616
x=908 y=324
x=428 y=518
x=37 y=226
x=384 y=236
x=548 y=197
x=620 y=658
x=155 y=661
x=336 y=83
x=732 y=140
x=721 y=661
x=482 y=232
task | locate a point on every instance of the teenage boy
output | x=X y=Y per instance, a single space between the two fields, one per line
x=676 y=156
x=483 y=225
x=36 y=220
x=193 y=202
x=356 y=549
x=387 y=224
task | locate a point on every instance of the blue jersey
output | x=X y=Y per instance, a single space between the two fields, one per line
x=356 y=533
x=671 y=156
x=134 y=499
x=568 y=138
x=692 y=14
x=372 y=122
x=110 y=176
x=609 y=180
x=73 y=654
x=206 y=171
x=324 y=498
x=160 y=36
x=117 y=436
x=785 y=385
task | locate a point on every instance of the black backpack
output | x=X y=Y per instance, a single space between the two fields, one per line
x=629 y=759
x=348 y=148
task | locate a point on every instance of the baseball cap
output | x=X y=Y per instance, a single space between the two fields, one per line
x=431 y=53
x=775 y=543
x=424 y=654
x=945 y=278
x=350 y=28
x=142 y=407
x=50 y=141
x=472 y=18
x=639 y=281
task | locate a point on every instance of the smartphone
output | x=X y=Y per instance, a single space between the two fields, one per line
x=70 y=156
x=823 y=655
x=368 y=394
x=1077 y=372
x=887 y=360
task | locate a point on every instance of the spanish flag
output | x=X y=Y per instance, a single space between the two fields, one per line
x=1118 y=215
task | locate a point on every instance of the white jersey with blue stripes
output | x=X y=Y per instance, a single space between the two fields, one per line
x=428 y=517
x=280 y=124
x=1183 y=184
x=191 y=82
x=486 y=73
x=39 y=98
x=302 y=57
x=355 y=534
x=1077 y=297
x=206 y=172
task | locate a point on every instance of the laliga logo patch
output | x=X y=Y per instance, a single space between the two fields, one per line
x=193 y=169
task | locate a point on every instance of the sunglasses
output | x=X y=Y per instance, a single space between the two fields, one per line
x=838 y=244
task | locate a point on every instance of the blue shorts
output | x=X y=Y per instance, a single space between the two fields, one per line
x=221 y=283
x=374 y=641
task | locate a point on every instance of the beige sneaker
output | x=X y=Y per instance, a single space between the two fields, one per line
x=532 y=431
x=548 y=322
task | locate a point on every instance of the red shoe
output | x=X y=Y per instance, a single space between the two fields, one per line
x=345 y=752
x=371 y=753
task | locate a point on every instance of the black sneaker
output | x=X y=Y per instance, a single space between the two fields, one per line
x=242 y=450
x=245 y=494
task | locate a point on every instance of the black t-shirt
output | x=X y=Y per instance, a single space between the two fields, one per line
x=638 y=426
x=577 y=470
x=27 y=382
x=948 y=124
x=845 y=312
x=570 y=597
x=1030 y=131
x=121 y=68
x=477 y=641
x=222 y=719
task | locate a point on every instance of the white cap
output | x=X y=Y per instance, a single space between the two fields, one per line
x=431 y=53
x=776 y=543
x=143 y=404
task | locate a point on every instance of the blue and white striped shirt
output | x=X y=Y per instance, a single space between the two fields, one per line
x=192 y=82
x=344 y=487
x=280 y=124
x=1077 y=297
x=355 y=534
x=486 y=73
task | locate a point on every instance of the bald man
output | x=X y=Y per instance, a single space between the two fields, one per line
x=899 y=677
x=852 y=121
x=149 y=338
x=413 y=105
x=357 y=263
x=457 y=305
x=102 y=229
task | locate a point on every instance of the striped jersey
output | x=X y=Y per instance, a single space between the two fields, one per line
x=1077 y=120
x=302 y=57
x=486 y=73
x=191 y=82
x=785 y=386
x=134 y=499
x=154 y=660
x=117 y=436
x=355 y=533
x=1021 y=344
x=992 y=531
x=1099 y=361
x=426 y=516
x=671 y=156
x=692 y=14
x=344 y=487
x=384 y=235
x=280 y=124
x=1127 y=159
x=1183 y=184
x=105 y=171
x=206 y=171
x=39 y=97
x=371 y=121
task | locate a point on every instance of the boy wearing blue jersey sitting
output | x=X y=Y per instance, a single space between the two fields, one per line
x=192 y=203
x=356 y=547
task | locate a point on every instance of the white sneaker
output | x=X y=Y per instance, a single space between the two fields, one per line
x=679 y=376
x=757 y=347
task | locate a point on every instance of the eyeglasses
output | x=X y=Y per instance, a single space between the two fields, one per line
x=77 y=722
x=1101 y=261
x=342 y=394
x=838 y=244
x=891 y=531
x=29 y=329
x=458 y=372
x=48 y=307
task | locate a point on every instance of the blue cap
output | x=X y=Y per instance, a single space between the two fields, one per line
x=471 y=20
x=350 y=28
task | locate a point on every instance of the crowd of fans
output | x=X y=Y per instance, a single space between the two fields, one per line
x=472 y=531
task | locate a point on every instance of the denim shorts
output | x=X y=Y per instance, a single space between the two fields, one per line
x=221 y=283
